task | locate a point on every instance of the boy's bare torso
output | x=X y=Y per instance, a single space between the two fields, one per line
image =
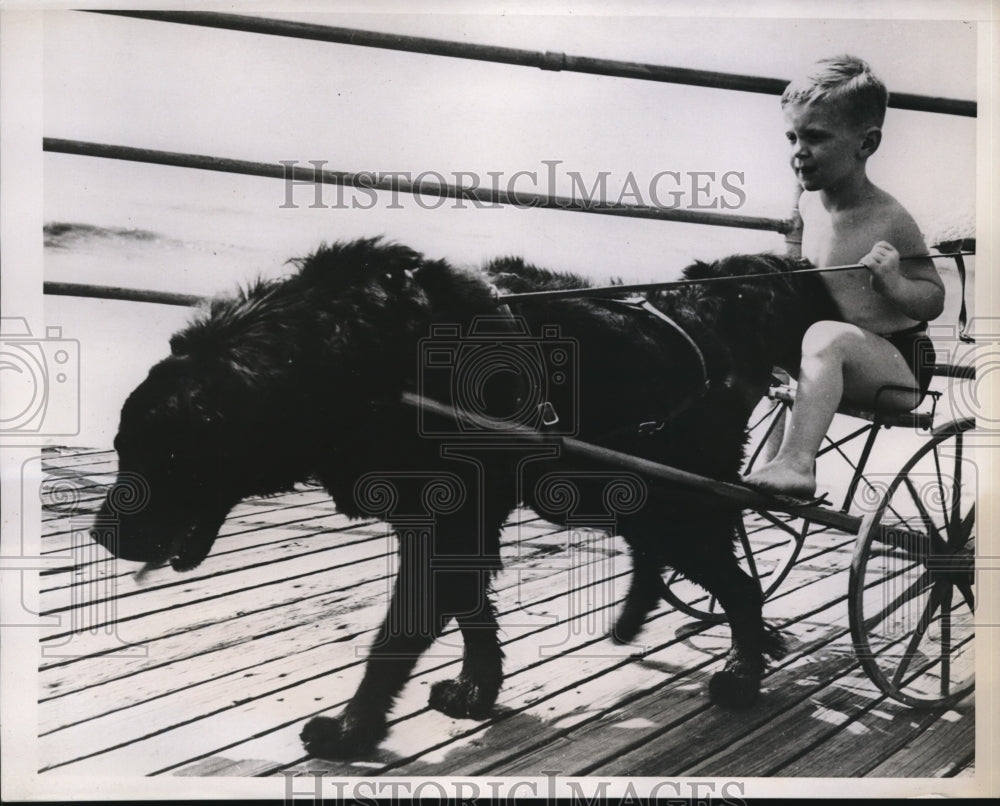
x=839 y=237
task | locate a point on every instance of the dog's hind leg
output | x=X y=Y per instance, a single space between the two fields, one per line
x=413 y=622
x=473 y=693
x=644 y=594
x=738 y=684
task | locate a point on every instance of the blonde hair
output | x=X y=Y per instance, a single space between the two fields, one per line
x=842 y=78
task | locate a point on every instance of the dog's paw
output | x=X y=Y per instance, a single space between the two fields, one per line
x=732 y=689
x=626 y=628
x=341 y=737
x=462 y=699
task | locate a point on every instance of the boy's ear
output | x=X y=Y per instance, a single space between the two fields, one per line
x=870 y=141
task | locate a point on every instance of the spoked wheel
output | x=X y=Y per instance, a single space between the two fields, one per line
x=911 y=585
x=768 y=547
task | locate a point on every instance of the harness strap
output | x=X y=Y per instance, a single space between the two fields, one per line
x=963 y=315
x=643 y=305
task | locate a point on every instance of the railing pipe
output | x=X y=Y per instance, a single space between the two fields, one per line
x=119 y=293
x=396 y=183
x=545 y=60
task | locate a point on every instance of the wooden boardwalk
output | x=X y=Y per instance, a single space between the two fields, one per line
x=213 y=672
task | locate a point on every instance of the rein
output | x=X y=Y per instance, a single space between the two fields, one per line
x=603 y=291
x=640 y=305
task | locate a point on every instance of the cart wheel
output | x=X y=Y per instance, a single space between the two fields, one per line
x=768 y=547
x=911 y=585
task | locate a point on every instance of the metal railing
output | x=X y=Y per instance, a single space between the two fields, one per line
x=545 y=60
x=292 y=172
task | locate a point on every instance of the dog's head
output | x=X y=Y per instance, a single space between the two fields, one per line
x=258 y=385
x=765 y=301
x=178 y=469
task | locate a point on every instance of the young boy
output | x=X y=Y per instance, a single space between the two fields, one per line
x=834 y=124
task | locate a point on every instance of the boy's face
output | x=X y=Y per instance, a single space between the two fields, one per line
x=827 y=146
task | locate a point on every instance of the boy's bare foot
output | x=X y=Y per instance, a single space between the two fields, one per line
x=779 y=479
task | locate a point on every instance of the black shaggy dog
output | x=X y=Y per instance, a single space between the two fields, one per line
x=304 y=378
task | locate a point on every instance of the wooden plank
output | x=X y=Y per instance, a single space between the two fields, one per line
x=252 y=512
x=529 y=679
x=240 y=549
x=183 y=675
x=932 y=752
x=178 y=744
x=58 y=534
x=479 y=746
x=89 y=557
x=188 y=652
x=179 y=610
x=152 y=682
x=253 y=750
x=215 y=580
x=187 y=646
x=682 y=745
x=641 y=716
x=223 y=574
x=171 y=635
x=837 y=710
x=122 y=606
x=877 y=733
x=78 y=457
x=829 y=710
x=582 y=704
x=330 y=658
x=296 y=508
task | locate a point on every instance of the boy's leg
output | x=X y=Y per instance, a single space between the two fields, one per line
x=777 y=435
x=838 y=360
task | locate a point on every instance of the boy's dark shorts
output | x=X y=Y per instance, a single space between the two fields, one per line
x=918 y=352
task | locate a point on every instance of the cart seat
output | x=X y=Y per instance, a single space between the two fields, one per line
x=902 y=419
x=888 y=418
